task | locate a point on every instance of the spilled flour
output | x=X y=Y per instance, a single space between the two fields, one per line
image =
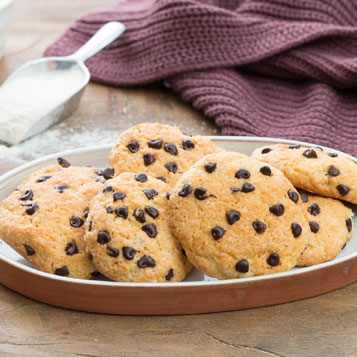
x=56 y=139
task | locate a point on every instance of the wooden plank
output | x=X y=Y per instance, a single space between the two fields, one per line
x=325 y=325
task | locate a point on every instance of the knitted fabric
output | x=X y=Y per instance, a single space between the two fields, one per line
x=277 y=68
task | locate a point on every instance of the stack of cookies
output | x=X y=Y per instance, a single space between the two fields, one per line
x=170 y=201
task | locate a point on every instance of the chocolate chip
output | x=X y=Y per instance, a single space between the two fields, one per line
x=171 y=149
x=210 y=166
x=150 y=230
x=266 y=150
x=97 y=179
x=150 y=193
x=108 y=189
x=43 y=178
x=310 y=154
x=163 y=179
x=90 y=226
x=109 y=210
x=168 y=195
x=187 y=144
x=29 y=250
x=141 y=177
x=31 y=209
x=148 y=159
x=76 y=222
x=199 y=193
x=122 y=212
x=113 y=252
x=71 y=248
x=296 y=229
x=129 y=253
x=146 y=262
x=139 y=215
x=61 y=188
x=152 y=211
x=332 y=154
x=99 y=172
x=86 y=213
x=314 y=226
x=293 y=195
x=169 y=275
x=108 y=173
x=273 y=259
x=242 y=173
x=133 y=146
x=63 y=271
x=63 y=162
x=217 y=232
x=314 y=209
x=304 y=198
x=343 y=247
x=259 y=226
x=242 y=266
x=118 y=196
x=183 y=252
x=265 y=170
x=349 y=224
x=277 y=210
x=155 y=144
x=333 y=171
x=90 y=256
x=27 y=196
x=96 y=275
x=247 y=187
x=185 y=190
x=172 y=166
x=297 y=146
x=232 y=217
x=103 y=237
x=343 y=190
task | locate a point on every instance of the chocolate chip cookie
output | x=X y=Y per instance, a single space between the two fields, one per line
x=313 y=169
x=238 y=217
x=43 y=220
x=331 y=226
x=128 y=236
x=161 y=151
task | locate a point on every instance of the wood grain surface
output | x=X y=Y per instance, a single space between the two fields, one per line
x=321 y=326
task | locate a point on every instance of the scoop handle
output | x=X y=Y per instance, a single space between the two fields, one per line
x=102 y=38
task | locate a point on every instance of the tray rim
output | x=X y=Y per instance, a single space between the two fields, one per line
x=205 y=283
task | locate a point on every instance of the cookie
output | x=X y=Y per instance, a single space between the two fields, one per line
x=43 y=220
x=313 y=169
x=128 y=236
x=160 y=151
x=331 y=224
x=238 y=217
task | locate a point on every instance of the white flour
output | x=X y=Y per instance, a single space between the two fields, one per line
x=57 y=139
x=27 y=99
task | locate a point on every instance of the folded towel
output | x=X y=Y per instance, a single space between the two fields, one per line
x=277 y=68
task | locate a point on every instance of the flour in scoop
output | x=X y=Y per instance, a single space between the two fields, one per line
x=26 y=100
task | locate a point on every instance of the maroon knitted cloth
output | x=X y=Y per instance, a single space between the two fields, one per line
x=277 y=68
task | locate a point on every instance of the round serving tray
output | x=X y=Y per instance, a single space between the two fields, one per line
x=197 y=294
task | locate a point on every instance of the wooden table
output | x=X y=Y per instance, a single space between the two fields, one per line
x=321 y=326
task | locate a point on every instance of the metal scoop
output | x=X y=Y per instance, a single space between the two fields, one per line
x=75 y=62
